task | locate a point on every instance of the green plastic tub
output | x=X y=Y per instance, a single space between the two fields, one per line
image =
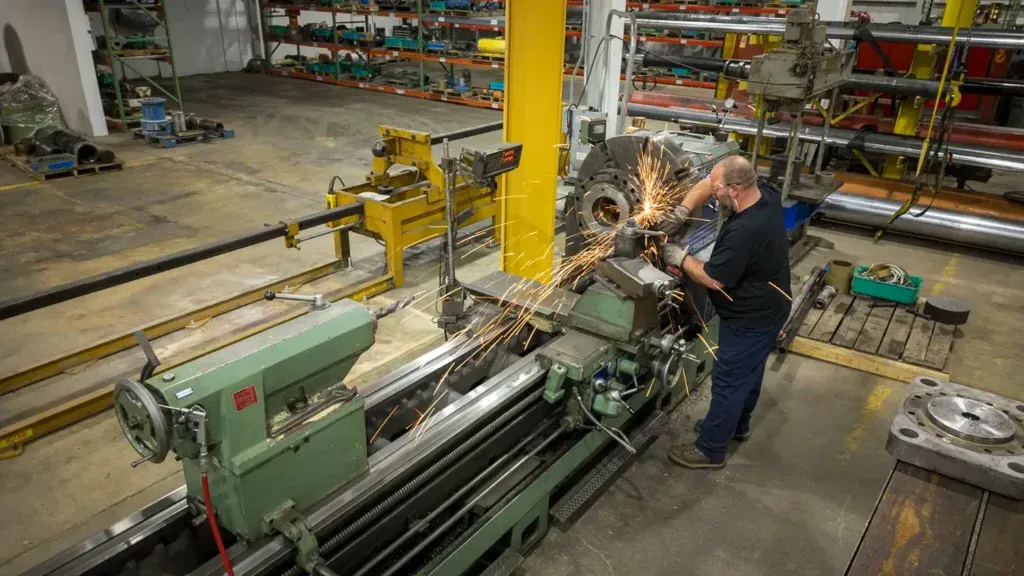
x=867 y=287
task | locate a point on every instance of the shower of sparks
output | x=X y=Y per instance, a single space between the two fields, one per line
x=381 y=427
x=708 y=346
x=660 y=192
x=729 y=298
x=781 y=291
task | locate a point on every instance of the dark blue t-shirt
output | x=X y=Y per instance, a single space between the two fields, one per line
x=752 y=250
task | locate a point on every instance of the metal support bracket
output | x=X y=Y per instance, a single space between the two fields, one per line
x=291 y=235
x=293 y=526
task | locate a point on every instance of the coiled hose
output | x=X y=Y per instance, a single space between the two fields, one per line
x=388 y=503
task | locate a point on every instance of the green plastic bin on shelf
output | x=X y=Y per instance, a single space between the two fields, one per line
x=868 y=287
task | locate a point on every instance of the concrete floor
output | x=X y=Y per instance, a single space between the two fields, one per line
x=792 y=500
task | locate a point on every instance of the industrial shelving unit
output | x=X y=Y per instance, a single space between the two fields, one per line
x=117 y=53
x=418 y=51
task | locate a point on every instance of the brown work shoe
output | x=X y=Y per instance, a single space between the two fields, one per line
x=688 y=455
x=737 y=437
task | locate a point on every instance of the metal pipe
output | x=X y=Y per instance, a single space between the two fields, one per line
x=793 y=143
x=461 y=512
x=938 y=223
x=996 y=158
x=630 y=58
x=898 y=33
x=740 y=70
x=826 y=125
x=71 y=290
x=466 y=132
x=423 y=523
x=799 y=308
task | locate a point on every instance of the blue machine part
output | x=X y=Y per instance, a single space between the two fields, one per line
x=153 y=109
x=156 y=127
x=795 y=213
x=436 y=46
x=462 y=85
x=459 y=4
x=497 y=85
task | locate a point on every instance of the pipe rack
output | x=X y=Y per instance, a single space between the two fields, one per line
x=899 y=33
x=873 y=142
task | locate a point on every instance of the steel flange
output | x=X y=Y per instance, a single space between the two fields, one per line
x=962 y=432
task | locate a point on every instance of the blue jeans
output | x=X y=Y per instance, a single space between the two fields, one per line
x=735 y=385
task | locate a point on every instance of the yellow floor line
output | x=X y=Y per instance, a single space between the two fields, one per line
x=131 y=164
x=7 y=187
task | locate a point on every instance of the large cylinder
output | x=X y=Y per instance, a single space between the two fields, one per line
x=740 y=69
x=995 y=158
x=947 y=225
x=83 y=150
x=899 y=33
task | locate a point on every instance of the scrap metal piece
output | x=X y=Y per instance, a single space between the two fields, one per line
x=963 y=433
x=946 y=310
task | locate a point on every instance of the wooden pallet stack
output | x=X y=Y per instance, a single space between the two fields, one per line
x=879 y=329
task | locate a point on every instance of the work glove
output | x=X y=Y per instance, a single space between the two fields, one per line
x=675 y=222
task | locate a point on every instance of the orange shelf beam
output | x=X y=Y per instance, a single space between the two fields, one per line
x=373 y=86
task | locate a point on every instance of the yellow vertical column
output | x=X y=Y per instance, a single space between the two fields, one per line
x=957 y=13
x=534 y=45
x=728 y=51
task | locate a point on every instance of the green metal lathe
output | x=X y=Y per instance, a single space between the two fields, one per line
x=454 y=463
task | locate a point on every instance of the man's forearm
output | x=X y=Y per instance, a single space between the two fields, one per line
x=697 y=196
x=694 y=268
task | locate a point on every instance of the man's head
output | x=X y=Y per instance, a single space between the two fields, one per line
x=734 y=182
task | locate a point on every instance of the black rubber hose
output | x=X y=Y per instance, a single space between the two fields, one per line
x=397 y=496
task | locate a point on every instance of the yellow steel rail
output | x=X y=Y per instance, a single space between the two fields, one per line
x=534 y=59
x=65 y=362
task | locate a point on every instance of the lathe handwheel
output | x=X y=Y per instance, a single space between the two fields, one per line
x=142 y=420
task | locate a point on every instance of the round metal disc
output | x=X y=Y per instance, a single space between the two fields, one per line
x=971 y=420
x=142 y=420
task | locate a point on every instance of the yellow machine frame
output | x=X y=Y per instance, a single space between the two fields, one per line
x=408 y=217
x=956 y=13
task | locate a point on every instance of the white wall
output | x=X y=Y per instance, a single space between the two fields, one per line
x=207 y=36
x=48 y=38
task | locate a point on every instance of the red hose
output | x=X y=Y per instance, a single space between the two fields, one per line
x=214 y=528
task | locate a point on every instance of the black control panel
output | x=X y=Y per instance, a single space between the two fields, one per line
x=486 y=164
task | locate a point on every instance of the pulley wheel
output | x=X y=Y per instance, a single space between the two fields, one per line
x=971 y=420
x=142 y=420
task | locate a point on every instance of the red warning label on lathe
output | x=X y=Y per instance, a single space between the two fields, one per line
x=245 y=397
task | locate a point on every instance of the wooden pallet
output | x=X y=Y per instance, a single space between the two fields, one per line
x=877 y=328
x=182 y=138
x=81 y=170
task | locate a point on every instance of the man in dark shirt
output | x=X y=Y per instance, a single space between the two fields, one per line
x=747 y=278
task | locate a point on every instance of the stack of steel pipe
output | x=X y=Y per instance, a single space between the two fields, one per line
x=898 y=33
x=52 y=139
x=740 y=70
x=953 y=226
